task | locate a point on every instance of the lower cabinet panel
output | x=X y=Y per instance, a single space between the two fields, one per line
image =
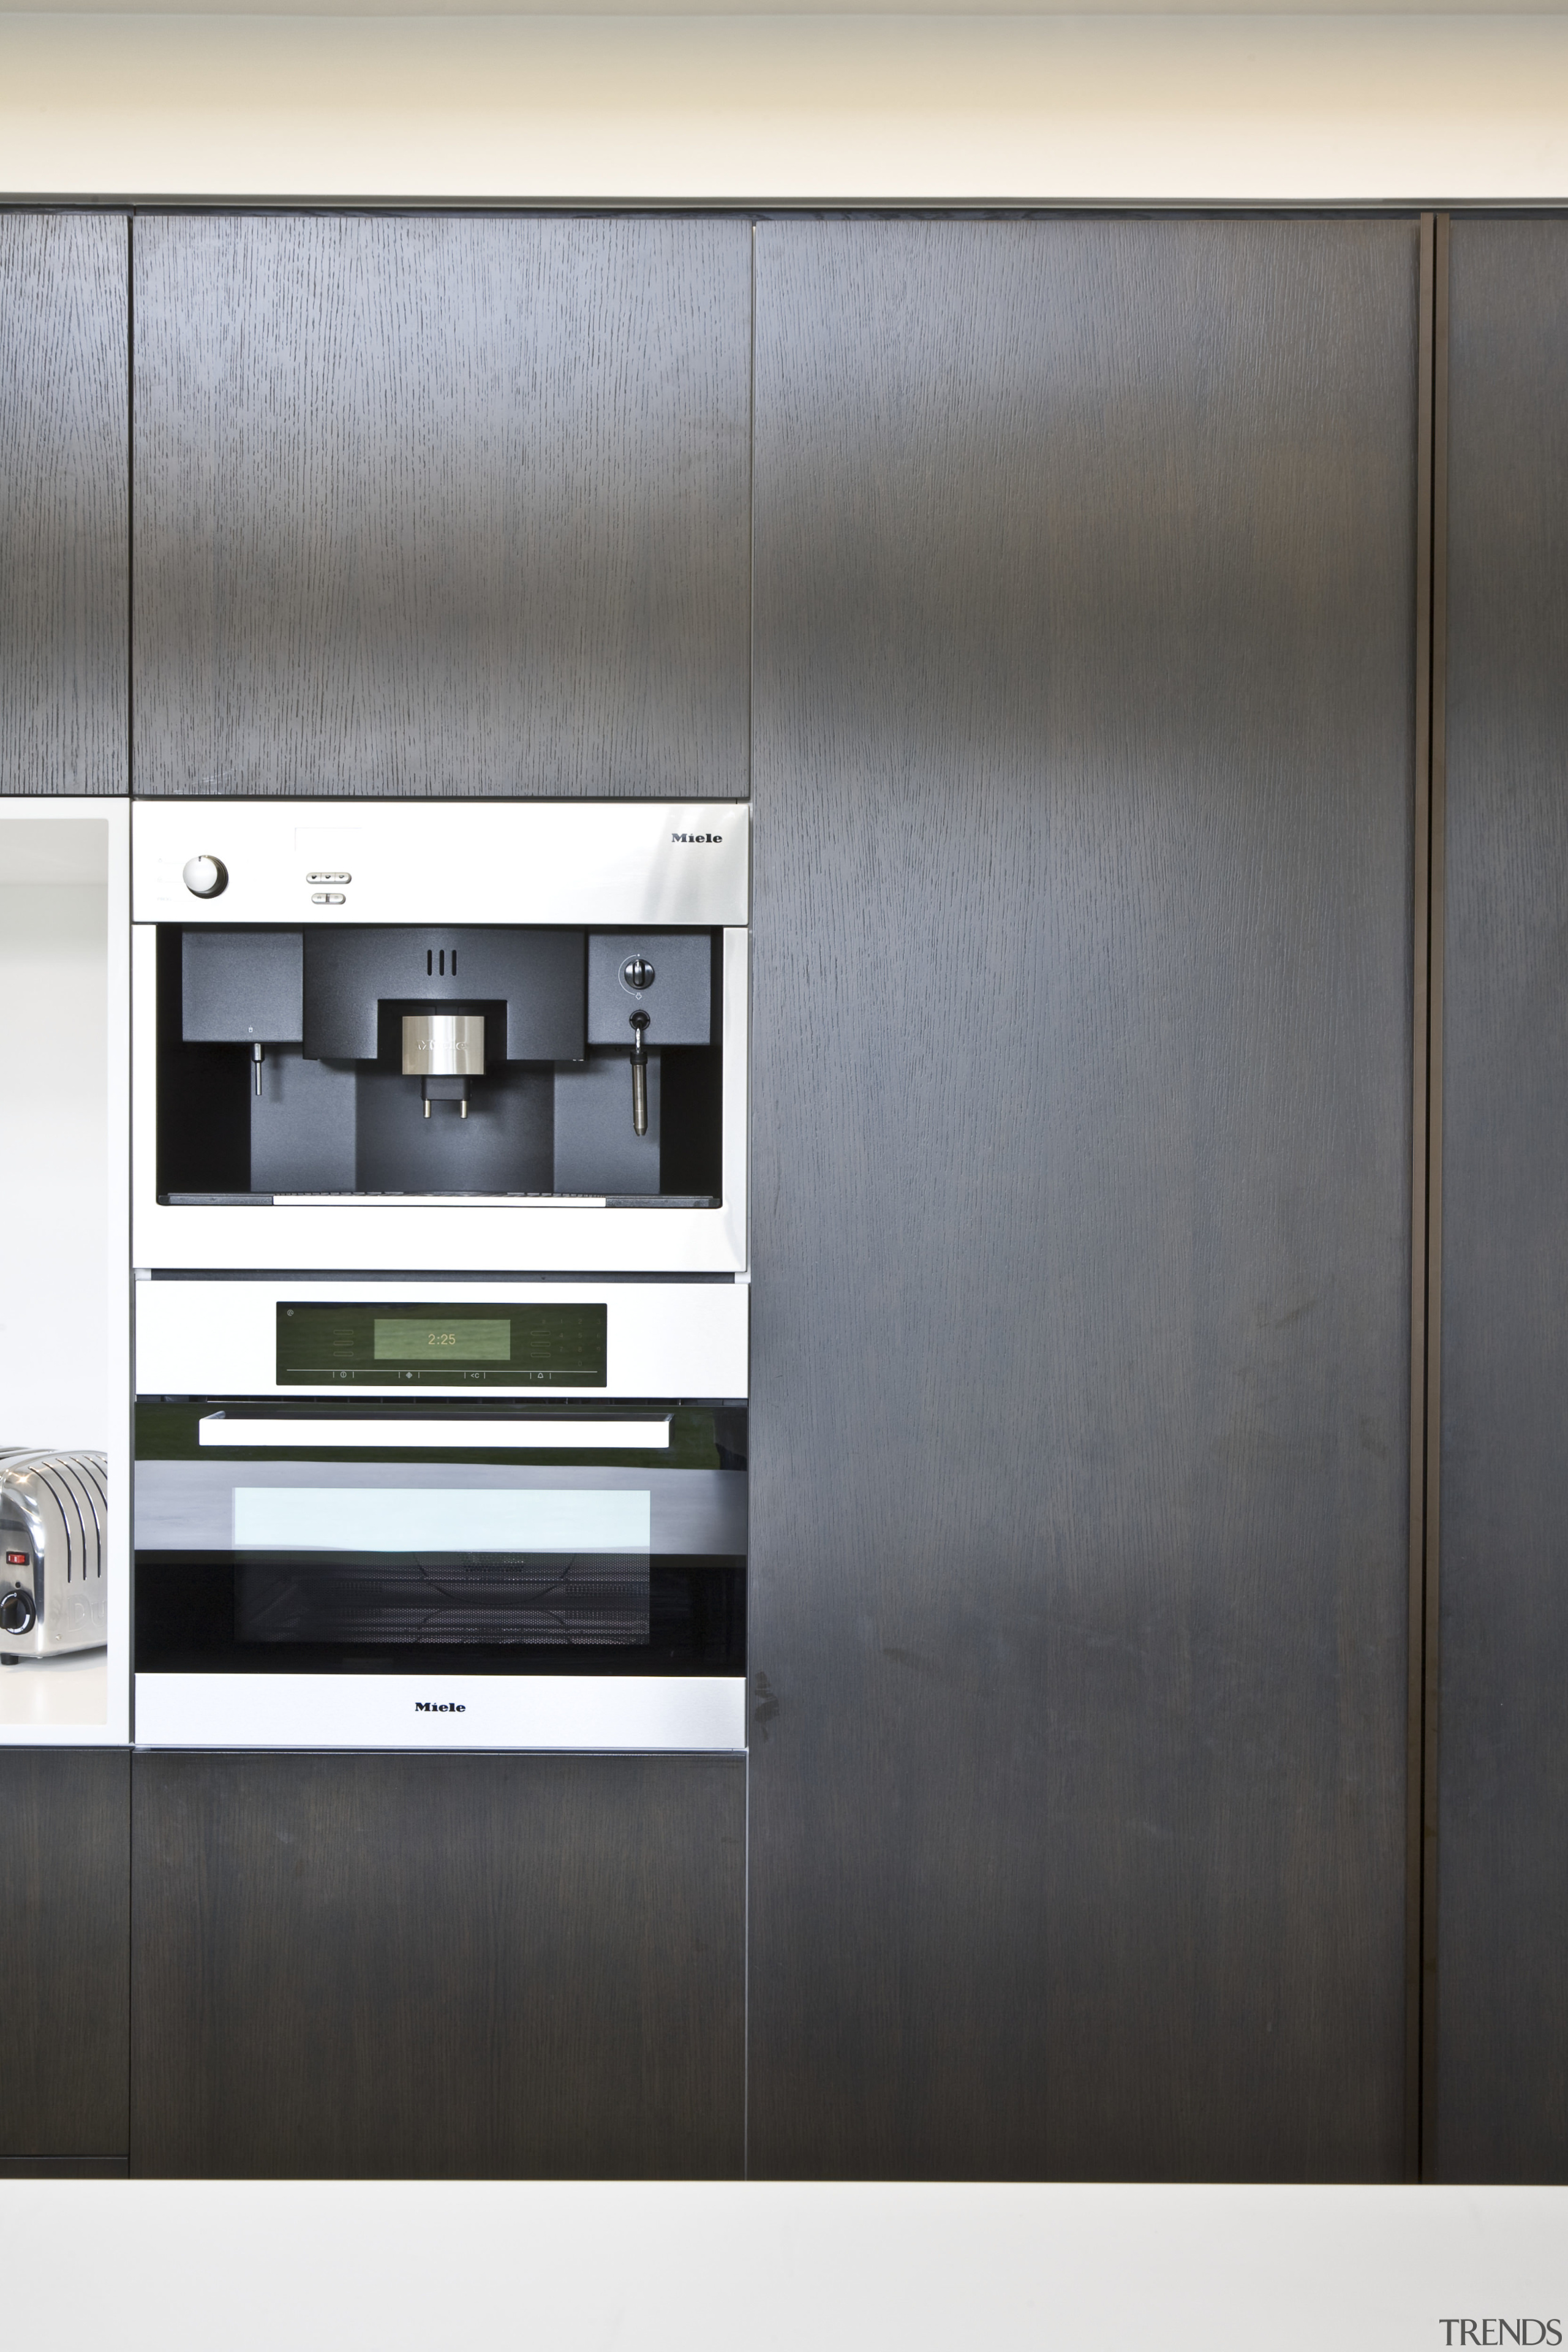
x=65 y=1883
x=63 y=2168
x=438 y=1966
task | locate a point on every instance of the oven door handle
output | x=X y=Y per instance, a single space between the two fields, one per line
x=518 y=1434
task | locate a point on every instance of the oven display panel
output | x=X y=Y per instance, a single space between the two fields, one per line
x=443 y=1340
x=442 y=1346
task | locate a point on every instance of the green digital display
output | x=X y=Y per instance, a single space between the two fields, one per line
x=450 y=1346
x=443 y=1340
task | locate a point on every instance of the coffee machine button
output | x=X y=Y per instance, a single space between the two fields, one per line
x=205 y=878
x=18 y=1614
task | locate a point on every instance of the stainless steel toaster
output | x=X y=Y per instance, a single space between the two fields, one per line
x=54 y=1521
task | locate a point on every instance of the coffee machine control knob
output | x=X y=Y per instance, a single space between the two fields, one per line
x=18 y=1614
x=205 y=878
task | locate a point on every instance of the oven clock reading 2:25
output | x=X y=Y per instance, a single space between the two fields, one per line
x=401 y=1340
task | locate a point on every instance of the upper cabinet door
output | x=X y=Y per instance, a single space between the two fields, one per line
x=442 y=506
x=64 y=559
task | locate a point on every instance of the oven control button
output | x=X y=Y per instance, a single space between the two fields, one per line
x=205 y=878
x=326 y=897
x=18 y=1614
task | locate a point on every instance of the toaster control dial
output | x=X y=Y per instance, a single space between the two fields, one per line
x=205 y=878
x=18 y=1614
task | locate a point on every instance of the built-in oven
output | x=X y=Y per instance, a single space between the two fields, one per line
x=429 y=1512
x=450 y=1035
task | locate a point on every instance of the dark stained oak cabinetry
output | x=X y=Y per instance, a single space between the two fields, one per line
x=1083 y=771
x=438 y=1966
x=64 y=518
x=442 y=504
x=1501 y=2091
x=1084 y=737
x=65 y=1941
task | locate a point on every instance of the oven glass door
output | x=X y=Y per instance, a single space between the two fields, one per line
x=388 y=1537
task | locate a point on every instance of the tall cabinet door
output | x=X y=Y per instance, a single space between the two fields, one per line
x=1085 y=591
x=1502 y=1870
x=442 y=506
x=64 y=518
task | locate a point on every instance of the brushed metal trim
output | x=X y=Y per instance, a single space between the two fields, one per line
x=605 y=864
x=444 y=1044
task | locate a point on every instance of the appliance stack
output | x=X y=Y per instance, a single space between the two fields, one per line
x=439 y=1218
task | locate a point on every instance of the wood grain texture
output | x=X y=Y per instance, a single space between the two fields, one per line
x=1084 y=562
x=65 y=1952
x=63 y=2168
x=64 y=503
x=442 y=506
x=1502 y=1892
x=437 y=1966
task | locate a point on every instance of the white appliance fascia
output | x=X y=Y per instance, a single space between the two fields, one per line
x=605 y=864
x=663 y=1338
x=598 y=1714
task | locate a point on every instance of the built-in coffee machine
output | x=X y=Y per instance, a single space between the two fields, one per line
x=440 y=1034
x=441 y=1316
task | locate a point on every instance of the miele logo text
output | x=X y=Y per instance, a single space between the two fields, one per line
x=439 y=1706
x=696 y=836
x=1501 y=2331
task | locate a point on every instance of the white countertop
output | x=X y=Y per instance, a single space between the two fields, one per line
x=52 y=1694
x=771 y=2266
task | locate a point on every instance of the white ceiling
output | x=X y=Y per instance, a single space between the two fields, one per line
x=1410 y=109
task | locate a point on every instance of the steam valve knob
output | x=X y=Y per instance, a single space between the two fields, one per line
x=18 y=1614
x=206 y=878
x=637 y=973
